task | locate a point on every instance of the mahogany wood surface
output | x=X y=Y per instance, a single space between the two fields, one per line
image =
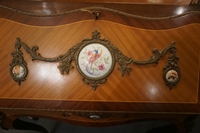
x=134 y=33
x=59 y=13
x=168 y=2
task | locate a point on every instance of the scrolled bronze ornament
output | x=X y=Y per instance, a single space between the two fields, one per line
x=172 y=73
x=18 y=68
x=95 y=60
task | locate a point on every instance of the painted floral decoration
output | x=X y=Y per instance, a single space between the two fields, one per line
x=95 y=60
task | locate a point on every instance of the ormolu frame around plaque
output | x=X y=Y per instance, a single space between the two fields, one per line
x=171 y=73
x=18 y=68
x=96 y=63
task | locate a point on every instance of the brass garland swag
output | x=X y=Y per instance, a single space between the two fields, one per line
x=171 y=72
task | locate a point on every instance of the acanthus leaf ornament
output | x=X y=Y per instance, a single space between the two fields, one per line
x=172 y=73
x=95 y=59
x=18 y=68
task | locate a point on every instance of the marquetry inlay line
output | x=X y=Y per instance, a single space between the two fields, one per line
x=94 y=111
x=107 y=101
x=88 y=9
x=99 y=21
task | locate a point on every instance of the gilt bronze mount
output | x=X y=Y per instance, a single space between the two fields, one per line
x=172 y=73
x=95 y=60
x=18 y=69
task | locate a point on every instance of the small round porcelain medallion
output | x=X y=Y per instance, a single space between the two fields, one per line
x=18 y=71
x=172 y=75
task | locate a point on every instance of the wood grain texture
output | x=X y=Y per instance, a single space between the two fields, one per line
x=144 y=84
x=138 y=95
x=116 y=119
x=55 y=13
x=168 y=2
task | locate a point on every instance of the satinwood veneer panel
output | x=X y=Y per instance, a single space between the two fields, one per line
x=145 y=83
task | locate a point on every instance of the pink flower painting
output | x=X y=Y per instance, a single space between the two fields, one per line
x=101 y=67
x=89 y=53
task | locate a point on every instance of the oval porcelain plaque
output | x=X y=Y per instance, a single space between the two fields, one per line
x=172 y=75
x=95 y=61
x=18 y=71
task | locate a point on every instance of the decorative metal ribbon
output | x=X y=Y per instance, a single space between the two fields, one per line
x=171 y=73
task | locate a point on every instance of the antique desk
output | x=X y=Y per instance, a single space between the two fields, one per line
x=99 y=63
